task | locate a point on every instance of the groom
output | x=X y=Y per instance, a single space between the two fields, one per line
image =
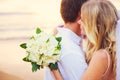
x=72 y=63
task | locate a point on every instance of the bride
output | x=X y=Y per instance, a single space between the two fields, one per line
x=99 y=20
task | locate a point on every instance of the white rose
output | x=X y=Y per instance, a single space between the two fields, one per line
x=32 y=46
x=50 y=59
x=33 y=57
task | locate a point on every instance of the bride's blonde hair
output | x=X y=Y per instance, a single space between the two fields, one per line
x=100 y=19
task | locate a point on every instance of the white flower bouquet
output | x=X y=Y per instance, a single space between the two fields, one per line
x=42 y=50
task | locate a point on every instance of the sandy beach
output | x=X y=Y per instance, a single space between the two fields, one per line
x=5 y=76
x=11 y=65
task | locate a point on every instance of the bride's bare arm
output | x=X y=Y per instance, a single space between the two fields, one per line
x=57 y=75
x=97 y=67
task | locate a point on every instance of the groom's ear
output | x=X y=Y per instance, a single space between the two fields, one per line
x=79 y=21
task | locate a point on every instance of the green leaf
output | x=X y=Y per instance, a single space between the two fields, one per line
x=41 y=55
x=47 y=40
x=59 y=46
x=32 y=37
x=23 y=45
x=55 y=54
x=35 y=66
x=53 y=66
x=42 y=66
x=26 y=59
x=58 y=39
x=38 y=30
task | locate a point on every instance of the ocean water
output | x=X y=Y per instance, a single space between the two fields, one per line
x=23 y=25
x=19 y=18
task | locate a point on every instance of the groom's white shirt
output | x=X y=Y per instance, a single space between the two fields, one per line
x=118 y=48
x=72 y=63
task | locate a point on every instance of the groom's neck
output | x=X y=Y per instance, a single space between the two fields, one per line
x=75 y=27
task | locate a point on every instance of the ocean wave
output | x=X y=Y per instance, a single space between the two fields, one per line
x=15 y=38
x=16 y=13
x=16 y=29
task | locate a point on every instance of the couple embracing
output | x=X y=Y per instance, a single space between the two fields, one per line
x=89 y=41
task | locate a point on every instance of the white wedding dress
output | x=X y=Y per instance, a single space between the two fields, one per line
x=118 y=48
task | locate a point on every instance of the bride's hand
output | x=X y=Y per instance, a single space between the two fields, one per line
x=57 y=75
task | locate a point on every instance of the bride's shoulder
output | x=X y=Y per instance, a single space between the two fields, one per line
x=101 y=57
x=100 y=54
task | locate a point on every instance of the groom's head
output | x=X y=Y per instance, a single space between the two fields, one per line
x=70 y=10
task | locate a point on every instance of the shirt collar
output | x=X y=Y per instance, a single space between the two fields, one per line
x=68 y=33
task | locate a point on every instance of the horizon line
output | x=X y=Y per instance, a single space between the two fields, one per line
x=16 y=13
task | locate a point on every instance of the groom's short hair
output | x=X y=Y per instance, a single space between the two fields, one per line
x=70 y=9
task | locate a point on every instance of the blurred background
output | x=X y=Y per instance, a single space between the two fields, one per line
x=18 y=21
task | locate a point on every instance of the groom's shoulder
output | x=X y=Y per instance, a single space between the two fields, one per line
x=69 y=44
x=70 y=48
